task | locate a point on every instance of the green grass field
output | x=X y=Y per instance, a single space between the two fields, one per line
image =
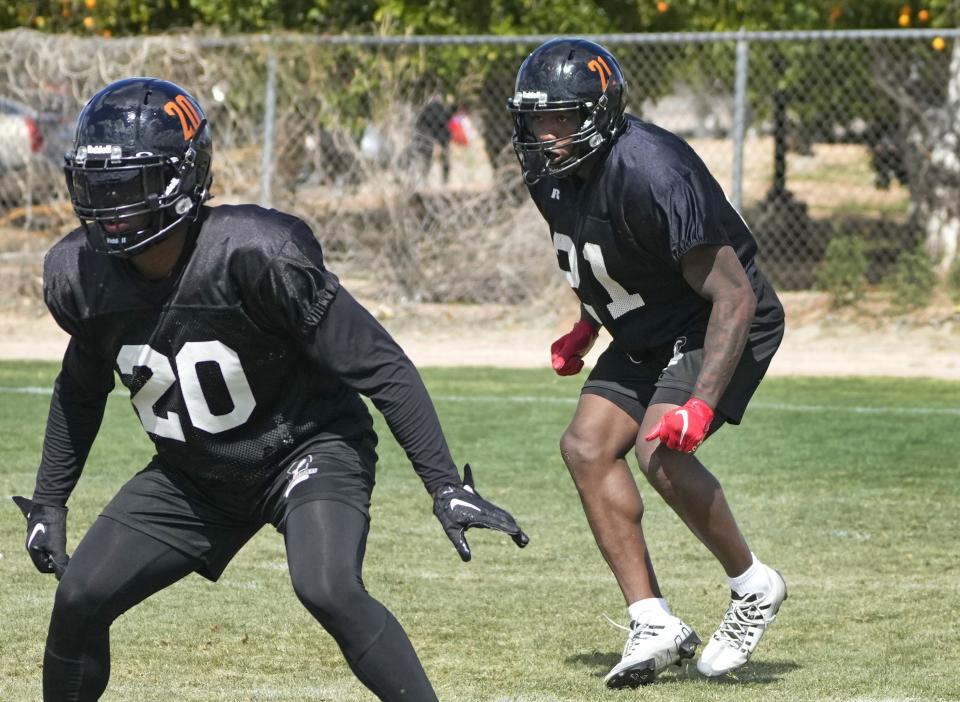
x=850 y=487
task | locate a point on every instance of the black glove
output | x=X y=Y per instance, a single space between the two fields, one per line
x=46 y=535
x=459 y=507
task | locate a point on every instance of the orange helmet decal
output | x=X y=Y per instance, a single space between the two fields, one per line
x=598 y=65
x=188 y=114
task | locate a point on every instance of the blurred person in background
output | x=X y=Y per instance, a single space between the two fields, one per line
x=658 y=256
x=246 y=360
x=431 y=132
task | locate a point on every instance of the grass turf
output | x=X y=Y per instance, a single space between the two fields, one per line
x=847 y=486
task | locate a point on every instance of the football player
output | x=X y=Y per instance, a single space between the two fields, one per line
x=658 y=256
x=245 y=359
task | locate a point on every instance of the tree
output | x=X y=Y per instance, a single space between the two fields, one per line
x=494 y=67
x=913 y=137
x=909 y=101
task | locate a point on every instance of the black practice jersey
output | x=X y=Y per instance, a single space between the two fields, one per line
x=248 y=351
x=620 y=235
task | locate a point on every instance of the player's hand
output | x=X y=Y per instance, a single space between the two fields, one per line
x=46 y=535
x=684 y=428
x=567 y=352
x=460 y=507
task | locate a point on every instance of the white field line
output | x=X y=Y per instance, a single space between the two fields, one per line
x=533 y=399
x=783 y=406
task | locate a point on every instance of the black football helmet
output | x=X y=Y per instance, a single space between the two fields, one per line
x=567 y=74
x=141 y=156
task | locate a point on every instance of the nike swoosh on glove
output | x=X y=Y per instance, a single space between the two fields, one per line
x=567 y=352
x=460 y=507
x=684 y=428
x=46 y=535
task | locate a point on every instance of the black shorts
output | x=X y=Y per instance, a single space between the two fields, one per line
x=212 y=523
x=635 y=380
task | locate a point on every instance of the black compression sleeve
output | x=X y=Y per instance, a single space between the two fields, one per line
x=363 y=355
x=76 y=410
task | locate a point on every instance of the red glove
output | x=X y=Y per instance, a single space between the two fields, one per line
x=567 y=352
x=684 y=428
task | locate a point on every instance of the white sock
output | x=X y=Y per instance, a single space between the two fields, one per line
x=753 y=579
x=641 y=609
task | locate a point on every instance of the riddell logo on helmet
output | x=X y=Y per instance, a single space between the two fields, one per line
x=598 y=65
x=530 y=95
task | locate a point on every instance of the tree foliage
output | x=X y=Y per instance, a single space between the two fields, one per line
x=812 y=114
x=455 y=17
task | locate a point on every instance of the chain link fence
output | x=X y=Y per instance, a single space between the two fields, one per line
x=397 y=149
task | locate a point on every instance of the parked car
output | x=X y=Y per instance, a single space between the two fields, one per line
x=32 y=145
x=26 y=132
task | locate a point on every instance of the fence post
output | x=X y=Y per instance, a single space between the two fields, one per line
x=739 y=117
x=28 y=209
x=269 y=118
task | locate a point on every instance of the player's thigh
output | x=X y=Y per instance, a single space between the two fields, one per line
x=321 y=504
x=114 y=567
x=650 y=453
x=600 y=432
x=205 y=522
x=325 y=542
x=612 y=406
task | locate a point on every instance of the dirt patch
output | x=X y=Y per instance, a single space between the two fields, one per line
x=819 y=342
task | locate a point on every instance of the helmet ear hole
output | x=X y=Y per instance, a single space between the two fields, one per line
x=183 y=205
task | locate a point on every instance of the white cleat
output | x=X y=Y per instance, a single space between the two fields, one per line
x=652 y=645
x=742 y=628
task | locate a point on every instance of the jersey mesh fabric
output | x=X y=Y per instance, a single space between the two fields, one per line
x=620 y=234
x=221 y=332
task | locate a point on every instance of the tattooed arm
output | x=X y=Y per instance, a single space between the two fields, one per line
x=716 y=274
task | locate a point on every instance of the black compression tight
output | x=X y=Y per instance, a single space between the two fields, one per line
x=116 y=567
x=325 y=545
x=113 y=568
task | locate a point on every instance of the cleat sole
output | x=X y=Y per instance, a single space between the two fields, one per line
x=642 y=673
x=645 y=672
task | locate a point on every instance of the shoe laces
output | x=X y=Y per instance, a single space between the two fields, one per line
x=744 y=614
x=637 y=632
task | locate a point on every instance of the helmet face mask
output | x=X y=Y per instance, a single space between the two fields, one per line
x=562 y=75
x=138 y=167
x=580 y=144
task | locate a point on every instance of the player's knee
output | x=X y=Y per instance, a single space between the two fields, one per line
x=331 y=596
x=76 y=605
x=654 y=471
x=644 y=454
x=579 y=453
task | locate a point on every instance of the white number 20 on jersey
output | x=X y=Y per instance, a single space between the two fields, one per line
x=621 y=301
x=163 y=378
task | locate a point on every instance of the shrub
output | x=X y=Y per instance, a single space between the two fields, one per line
x=843 y=272
x=913 y=281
